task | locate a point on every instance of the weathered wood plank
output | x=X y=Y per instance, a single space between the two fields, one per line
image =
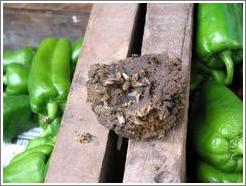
x=50 y=6
x=168 y=28
x=22 y=27
x=107 y=38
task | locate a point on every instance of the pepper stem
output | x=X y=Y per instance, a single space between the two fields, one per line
x=43 y=121
x=218 y=75
x=52 y=109
x=5 y=79
x=237 y=146
x=225 y=56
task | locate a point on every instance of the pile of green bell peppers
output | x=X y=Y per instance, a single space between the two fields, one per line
x=36 y=84
x=219 y=40
x=17 y=114
x=217 y=133
x=31 y=165
x=49 y=78
x=216 y=116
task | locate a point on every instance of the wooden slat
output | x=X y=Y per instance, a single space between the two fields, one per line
x=23 y=27
x=50 y=6
x=168 y=28
x=107 y=38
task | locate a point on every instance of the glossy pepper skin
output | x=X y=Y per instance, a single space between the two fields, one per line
x=208 y=174
x=220 y=36
x=16 y=78
x=49 y=78
x=31 y=165
x=217 y=127
x=76 y=47
x=16 y=116
x=21 y=56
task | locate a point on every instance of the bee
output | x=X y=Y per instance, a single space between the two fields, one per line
x=126 y=77
x=126 y=86
x=138 y=121
x=105 y=97
x=120 y=118
x=142 y=73
x=97 y=109
x=137 y=84
x=136 y=93
x=101 y=73
x=100 y=89
x=95 y=67
x=109 y=82
x=153 y=60
x=147 y=81
x=118 y=75
x=135 y=77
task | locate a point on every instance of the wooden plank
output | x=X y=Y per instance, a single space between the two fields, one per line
x=22 y=27
x=107 y=39
x=168 y=28
x=50 y=6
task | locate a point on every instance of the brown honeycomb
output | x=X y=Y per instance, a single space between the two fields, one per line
x=138 y=97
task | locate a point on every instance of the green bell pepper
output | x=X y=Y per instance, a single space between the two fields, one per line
x=41 y=140
x=21 y=56
x=49 y=78
x=220 y=36
x=217 y=127
x=16 y=78
x=76 y=47
x=28 y=166
x=16 y=116
x=208 y=174
x=29 y=169
x=31 y=165
x=35 y=147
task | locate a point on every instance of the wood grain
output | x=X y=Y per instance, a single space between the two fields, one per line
x=107 y=39
x=23 y=27
x=50 y=6
x=168 y=28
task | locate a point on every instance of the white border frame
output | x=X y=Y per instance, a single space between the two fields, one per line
x=82 y=2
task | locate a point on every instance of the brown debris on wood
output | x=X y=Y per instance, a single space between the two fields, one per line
x=82 y=137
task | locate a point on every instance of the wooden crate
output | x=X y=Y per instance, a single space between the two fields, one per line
x=114 y=32
x=28 y=23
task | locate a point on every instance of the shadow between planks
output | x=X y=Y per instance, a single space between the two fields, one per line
x=113 y=171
